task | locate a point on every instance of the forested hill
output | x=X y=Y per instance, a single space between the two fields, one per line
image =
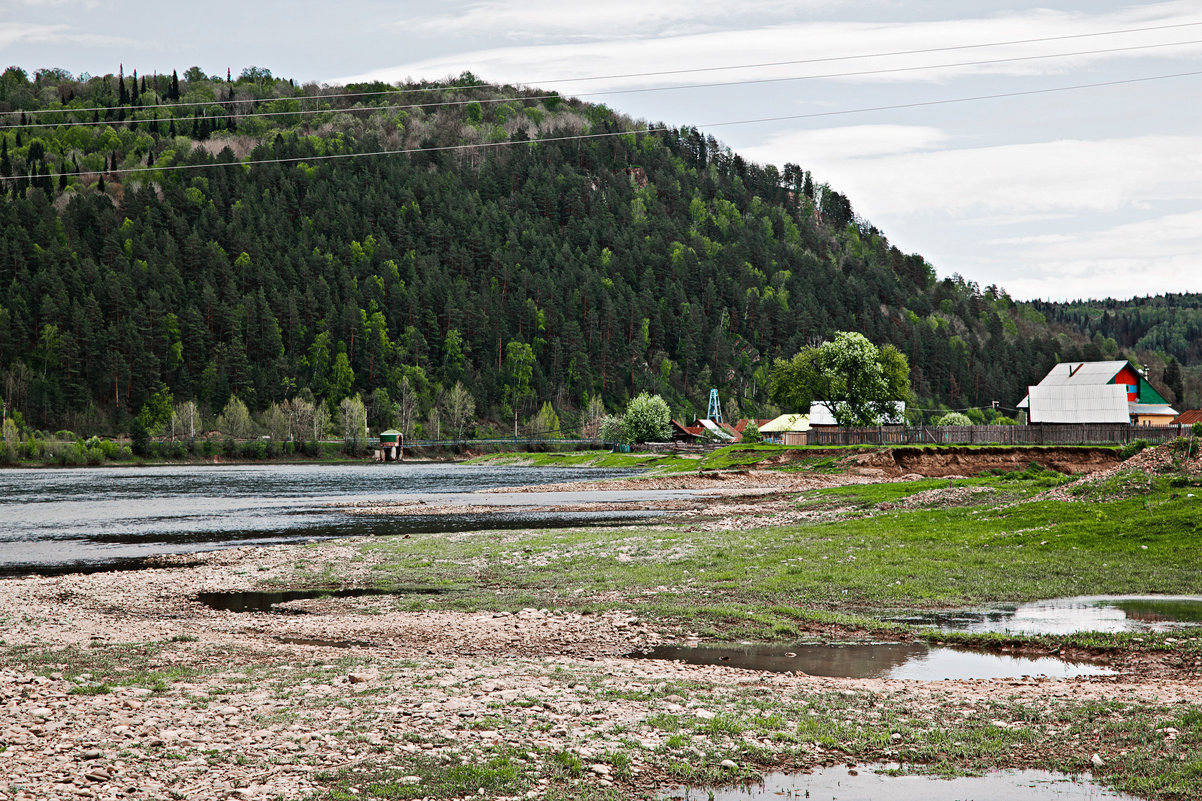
x=135 y=253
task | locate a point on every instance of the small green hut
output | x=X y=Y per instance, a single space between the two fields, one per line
x=390 y=445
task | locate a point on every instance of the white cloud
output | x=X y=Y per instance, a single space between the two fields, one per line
x=887 y=169
x=847 y=143
x=1140 y=258
x=633 y=37
x=585 y=19
x=29 y=33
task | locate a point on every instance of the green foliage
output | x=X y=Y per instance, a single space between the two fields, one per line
x=234 y=419
x=155 y=414
x=545 y=424
x=612 y=431
x=1133 y=447
x=1196 y=429
x=751 y=433
x=139 y=437
x=647 y=419
x=954 y=419
x=519 y=368
x=858 y=381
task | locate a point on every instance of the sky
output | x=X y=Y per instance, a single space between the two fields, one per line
x=1083 y=193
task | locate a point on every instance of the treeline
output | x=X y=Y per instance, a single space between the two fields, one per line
x=556 y=272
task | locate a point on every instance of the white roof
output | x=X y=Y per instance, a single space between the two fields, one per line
x=1092 y=373
x=1079 y=403
x=820 y=414
x=1152 y=408
x=787 y=422
x=721 y=432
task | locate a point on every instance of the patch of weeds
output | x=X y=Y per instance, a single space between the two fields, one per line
x=569 y=763
x=496 y=775
x=91 y=689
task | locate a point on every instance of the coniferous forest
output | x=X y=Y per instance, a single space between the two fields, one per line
x=390 y=242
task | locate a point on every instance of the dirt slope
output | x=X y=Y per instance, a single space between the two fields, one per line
x=939 y=462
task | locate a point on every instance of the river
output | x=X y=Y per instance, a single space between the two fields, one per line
x=56 y=520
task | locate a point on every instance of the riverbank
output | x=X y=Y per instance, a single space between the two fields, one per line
x=500 y=660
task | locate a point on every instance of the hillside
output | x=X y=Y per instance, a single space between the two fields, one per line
x=136 y=254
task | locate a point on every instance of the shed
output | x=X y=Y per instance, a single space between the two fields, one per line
x=683 y=433
x=390 y=446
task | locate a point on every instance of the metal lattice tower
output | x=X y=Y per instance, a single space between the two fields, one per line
x=715 y=410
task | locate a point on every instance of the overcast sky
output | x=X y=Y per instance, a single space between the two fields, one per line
x=1059 y=195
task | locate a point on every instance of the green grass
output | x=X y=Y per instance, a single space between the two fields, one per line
x=762 y=581
x=498 y=774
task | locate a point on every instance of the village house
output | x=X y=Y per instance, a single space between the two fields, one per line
x=1097 y=392
x=788 y=429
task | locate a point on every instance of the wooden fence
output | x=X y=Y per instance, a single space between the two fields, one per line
x=1036 y=434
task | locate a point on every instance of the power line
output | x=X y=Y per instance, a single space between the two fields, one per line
x=793 y=62
x=609 y=134
x=642 y=90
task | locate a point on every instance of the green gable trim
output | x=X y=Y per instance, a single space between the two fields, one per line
x=1148 y=393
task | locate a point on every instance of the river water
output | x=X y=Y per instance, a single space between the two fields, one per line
x=53 y=520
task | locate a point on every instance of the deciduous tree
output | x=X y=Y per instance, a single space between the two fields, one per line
x=858 y=381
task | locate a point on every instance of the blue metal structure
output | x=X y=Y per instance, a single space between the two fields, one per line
x=715 y=410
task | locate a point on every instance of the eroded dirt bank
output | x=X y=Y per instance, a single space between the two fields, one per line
x=151 y=694
x=940 y=462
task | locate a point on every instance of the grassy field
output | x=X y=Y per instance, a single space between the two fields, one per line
x=864 y=551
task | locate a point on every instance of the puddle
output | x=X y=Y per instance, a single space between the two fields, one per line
x=265 y=601
x=875 y=661
x=862 y=784
x=324 y=643
x=1103 y=613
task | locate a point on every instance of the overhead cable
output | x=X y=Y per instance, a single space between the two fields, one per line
x=685 y=71
x=648 y=129
x=506 y=99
